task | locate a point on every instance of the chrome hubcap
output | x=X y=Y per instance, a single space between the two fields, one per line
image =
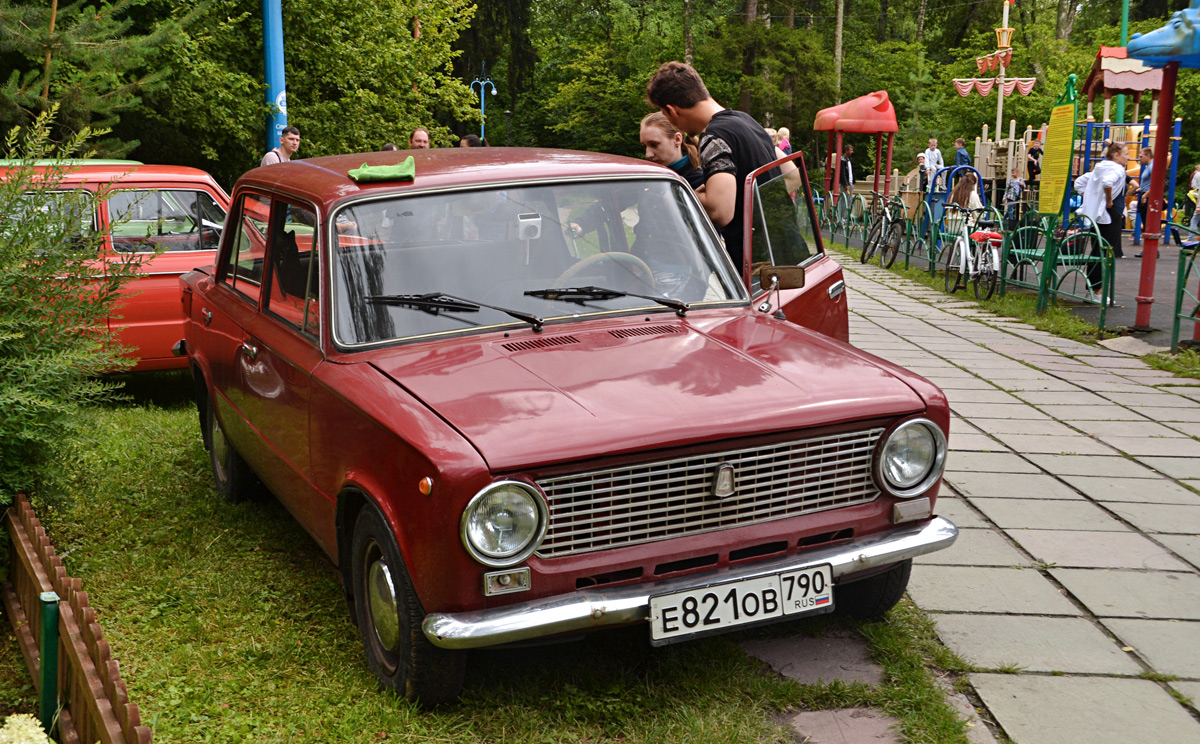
x=381 y=597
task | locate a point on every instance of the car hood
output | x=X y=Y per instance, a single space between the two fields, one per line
x=595 y=389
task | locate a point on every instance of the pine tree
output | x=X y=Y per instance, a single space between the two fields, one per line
x=79 y=57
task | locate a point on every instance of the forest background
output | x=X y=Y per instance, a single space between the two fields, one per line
x=182 y=83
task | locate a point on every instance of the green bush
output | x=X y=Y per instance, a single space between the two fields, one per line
x=55 y=299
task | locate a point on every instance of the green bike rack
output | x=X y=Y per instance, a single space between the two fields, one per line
x=1187 y=270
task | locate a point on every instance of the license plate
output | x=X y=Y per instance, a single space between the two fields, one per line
x=723 y=606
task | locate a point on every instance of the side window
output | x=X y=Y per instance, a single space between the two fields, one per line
x=294 y=285
x=152 y=220
x=242 y=263
x=67 y=216
x=782 y=229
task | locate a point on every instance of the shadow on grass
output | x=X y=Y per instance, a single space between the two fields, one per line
x=167 y=390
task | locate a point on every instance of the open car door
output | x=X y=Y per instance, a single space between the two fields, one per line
x=781 y=228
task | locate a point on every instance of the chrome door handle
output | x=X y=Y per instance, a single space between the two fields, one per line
x=206 y=314
x=836 y=288
x=251 y=352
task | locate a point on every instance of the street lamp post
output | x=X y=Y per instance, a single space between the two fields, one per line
x=484 y=81
x=507 y=119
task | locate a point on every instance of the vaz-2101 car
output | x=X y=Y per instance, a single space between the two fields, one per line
x=526 y=394
x=168 y=218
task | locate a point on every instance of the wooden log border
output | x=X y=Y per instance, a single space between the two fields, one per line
x=93 y=701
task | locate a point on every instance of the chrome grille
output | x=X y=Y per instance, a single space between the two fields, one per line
x=673 y=498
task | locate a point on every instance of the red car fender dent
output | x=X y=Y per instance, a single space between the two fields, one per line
x=397 y=442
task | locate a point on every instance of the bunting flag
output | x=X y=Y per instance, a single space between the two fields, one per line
x=984 y=86
x=1005 y=56
x=981 y=63
x=1002 y=58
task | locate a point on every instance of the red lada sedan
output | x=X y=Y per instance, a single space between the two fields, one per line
x=174 y=213
x=525 y=394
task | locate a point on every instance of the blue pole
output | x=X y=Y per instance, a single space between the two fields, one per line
x=273 y=70
x=1169 y=204
x=482 y=83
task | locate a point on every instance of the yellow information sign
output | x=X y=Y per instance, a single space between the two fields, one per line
x=1056 y=159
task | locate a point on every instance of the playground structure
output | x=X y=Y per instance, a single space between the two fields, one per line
x=869 y=114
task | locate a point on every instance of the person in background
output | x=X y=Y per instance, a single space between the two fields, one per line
x=847 y=177
x=961 y=156
x=922 y=175
x=470 y=140
x=1012 y=197
x=732 y=145
x=668 y=146
x=965 y=195
x=1193 y=194
x=1103 y=196
x=289 y=143
x=419 y=139
x=785 y=142
x=933 y=160
x=1146 y=158
x=1033 y=159
x=389 y=147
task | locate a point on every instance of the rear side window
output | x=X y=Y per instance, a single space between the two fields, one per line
x=242 y=264
x=167 y=220
x=293 y=259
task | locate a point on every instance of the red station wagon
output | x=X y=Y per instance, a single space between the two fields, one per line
x=526 y=394
x=173 y=212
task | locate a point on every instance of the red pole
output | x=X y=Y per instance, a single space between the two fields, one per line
x=887 y=183
x=837 y=167
x=1151 y=233
x=878 y=156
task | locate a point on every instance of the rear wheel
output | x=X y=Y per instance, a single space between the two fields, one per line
x=389 y=620
x=988 y=275
x=231 y=475
x=954 y=265
x=872 y=597
x=891 y=245
x=871 y=244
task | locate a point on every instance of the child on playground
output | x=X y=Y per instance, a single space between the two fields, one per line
x=1012 y=197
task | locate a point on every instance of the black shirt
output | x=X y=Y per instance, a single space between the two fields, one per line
x=1035 y=165
x=735 y=143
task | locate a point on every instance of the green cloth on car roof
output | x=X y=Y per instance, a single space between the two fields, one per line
x=405 y=171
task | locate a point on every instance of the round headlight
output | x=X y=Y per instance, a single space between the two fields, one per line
x=504 y=523
x=912 y=457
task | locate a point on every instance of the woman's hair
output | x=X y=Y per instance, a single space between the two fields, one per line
x=1112 y=148
x=690 y=147
x=784 y=133
x=776 y=136
x=962 y=190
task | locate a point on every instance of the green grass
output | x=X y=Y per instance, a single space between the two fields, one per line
x=1016 y=303
x=1184 y=363
x=230 y=626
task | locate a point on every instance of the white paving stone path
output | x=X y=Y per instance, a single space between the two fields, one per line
x=1074 y=587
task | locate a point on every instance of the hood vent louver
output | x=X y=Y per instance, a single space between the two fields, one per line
x=657 y=330
x=540 y=343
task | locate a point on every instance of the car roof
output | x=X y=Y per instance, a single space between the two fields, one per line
x=325 y=179
x=122 y=171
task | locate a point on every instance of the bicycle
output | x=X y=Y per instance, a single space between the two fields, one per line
x=886 y=231
x=975 y=256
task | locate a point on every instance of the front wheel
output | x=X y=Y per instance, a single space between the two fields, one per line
x=872 y=597
x=389 y=620
x=891 y=245
x=871 y=244
x=988 y=275
x=954 y=266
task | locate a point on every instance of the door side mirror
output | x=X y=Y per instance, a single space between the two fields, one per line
x=773 y=278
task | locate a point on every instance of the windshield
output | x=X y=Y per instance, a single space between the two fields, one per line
x=492 y=247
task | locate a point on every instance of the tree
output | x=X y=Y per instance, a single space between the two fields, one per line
x=79 y=57
x=54 y=303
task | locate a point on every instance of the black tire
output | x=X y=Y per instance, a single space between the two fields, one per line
x=954 y=266
x=871 y=244
x=988 y=276
x=233 y=478
x=891 y=245
x=389 y=618
x=872 y=597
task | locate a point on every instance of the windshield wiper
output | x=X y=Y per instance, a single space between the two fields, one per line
x=580 y=294
x=436 y=303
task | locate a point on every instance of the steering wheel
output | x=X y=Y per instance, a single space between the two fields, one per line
x=634 y=264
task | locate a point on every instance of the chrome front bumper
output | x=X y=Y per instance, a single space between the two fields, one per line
x=625 y=605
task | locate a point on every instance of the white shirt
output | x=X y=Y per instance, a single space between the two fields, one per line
x=1095 y=205
x=933 y=161
x=1196 y=181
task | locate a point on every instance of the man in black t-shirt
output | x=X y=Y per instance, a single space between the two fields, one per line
x=732 y=145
